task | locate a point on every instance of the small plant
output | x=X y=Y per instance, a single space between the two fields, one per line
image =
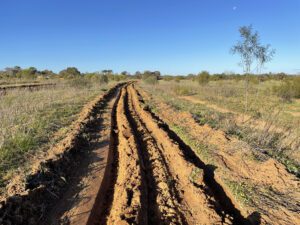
x=241 y=191
x=197 y=176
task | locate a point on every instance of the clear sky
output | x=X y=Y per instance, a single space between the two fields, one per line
x=173 y=36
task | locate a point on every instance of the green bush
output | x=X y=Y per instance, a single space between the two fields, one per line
x=177 y=79
x=152 y=80
x=103 y=79
x=203 y=77
x=288 y=89
x=182 y=90
x=30 y=73
x=70 y=72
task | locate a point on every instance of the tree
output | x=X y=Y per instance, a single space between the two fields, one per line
x=247 y=47
x=70 y=72
x=47 y=73
x=29 y=73
x=138 y=74
x=157 y=74
x=12 y=72
x=250 y=49
x=107 y=72
x=125 y=73
x=203 y=77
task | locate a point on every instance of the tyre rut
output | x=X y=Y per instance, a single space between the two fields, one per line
x=222 y=203
x=128 y=205
x=155 y=183
x=163 y=201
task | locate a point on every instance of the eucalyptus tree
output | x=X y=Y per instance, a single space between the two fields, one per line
x=247 y=47
x=251 y=51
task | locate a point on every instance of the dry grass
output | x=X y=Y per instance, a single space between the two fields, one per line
x=28 y=120
x=268 y=124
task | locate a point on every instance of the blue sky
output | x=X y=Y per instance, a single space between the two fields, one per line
x=173 y=36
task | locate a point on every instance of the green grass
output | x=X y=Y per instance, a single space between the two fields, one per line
x=201 y=149
x=31 y=122
x=242 y=191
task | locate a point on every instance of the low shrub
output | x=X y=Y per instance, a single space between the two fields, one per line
x=79 y=82
x=288 y=89
x=182 y=90
x=103 y=79
x=152 y=80
x=203 y=78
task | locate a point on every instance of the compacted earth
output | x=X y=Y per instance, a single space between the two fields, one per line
x=124 y=164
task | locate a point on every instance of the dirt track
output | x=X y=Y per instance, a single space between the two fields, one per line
x=157 y=178
x=147 y=175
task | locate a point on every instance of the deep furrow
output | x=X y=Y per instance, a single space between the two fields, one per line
x=104 y=199
x=163 y=206
x=129 y=201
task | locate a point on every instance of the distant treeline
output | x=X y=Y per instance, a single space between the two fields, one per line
x=32 y=73
x=204 y=75
x=289 y=86
x=73 y=72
